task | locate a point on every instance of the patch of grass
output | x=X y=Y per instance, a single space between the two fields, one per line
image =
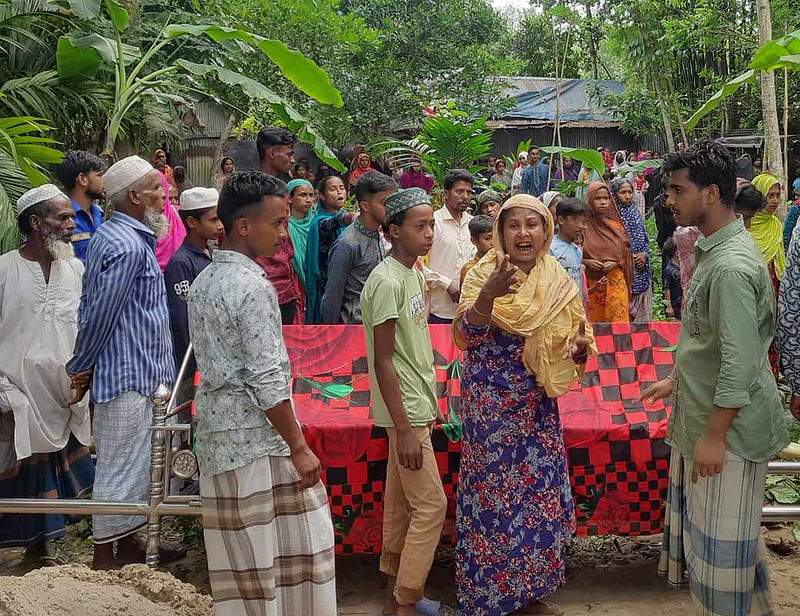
x=189 y=527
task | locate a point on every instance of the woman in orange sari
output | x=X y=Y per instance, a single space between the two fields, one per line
x=607 y=257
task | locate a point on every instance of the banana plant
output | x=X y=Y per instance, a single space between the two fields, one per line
x=781 y=53
x=135 y=77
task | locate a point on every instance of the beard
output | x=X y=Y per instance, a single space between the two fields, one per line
x=157 y=222
x=59 y=249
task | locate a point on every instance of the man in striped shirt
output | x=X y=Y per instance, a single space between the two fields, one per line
x=124 y=351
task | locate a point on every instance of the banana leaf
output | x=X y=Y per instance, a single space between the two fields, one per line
x=303 y=72
x=290 y=117
x=712 y=103
x=590 y=158
x=778 y=53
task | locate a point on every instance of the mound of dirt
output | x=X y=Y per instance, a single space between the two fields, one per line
x=76 y=590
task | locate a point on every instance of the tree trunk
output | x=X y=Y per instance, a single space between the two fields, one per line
x=592 y=46
x=676 y=103
x=786 y=172
x=773 y=159
x=664 y=116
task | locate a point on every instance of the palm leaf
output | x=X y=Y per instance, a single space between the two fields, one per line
x=23 y=154
x=13 y=182
x=46 y=95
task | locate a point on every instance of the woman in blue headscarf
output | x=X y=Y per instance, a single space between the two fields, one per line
x=328 y=223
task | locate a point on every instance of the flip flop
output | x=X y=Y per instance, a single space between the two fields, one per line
x=428 y=607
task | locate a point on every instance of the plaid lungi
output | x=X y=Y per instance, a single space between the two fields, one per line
x=270 y=544
x=122 y=438
x=712 y=531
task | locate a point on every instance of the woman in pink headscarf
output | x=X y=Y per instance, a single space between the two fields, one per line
x=169 y=244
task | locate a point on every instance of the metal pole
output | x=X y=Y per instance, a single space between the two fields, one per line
x=73 y=506
x=782 y=467
x=780 y=513
x=187 y=358
x=160 y=401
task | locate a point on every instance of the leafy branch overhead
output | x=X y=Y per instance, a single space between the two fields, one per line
x=85 y=54
x=774 y=55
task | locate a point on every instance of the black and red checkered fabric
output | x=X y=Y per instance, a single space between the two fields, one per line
x=615 y=445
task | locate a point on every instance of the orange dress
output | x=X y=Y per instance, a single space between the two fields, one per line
x=609 y=304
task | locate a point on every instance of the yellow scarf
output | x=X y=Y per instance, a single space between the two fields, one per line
x=767 y=229
x=546 y=309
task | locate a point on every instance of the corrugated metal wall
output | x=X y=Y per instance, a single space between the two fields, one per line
x=198 y=151
x=506 y=140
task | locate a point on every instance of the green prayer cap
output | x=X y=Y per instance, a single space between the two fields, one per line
x=404 y=200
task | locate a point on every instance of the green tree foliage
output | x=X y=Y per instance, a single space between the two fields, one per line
x=389 y=59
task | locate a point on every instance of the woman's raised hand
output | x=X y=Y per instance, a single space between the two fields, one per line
x=502 y=280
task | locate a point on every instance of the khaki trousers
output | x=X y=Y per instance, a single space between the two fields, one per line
x=414 y=509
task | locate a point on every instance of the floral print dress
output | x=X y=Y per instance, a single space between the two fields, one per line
x=515 y=514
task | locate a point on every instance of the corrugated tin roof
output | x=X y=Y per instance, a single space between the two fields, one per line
x=536 y=99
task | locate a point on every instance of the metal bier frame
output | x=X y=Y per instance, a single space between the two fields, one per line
x=164 y=463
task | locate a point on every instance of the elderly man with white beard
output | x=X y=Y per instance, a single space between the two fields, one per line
x=124 y=352
x=43 y=441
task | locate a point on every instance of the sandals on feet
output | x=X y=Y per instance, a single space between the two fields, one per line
x=428 y=607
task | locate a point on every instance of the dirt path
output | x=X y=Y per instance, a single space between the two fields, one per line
x=604 y=577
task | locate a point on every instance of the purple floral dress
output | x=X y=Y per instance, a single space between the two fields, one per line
x=515 y=513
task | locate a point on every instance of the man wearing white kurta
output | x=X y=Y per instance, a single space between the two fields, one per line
x=452 y=246
x=43 y=440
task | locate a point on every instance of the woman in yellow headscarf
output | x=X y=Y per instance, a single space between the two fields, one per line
x=767 y=229
x=523 y=327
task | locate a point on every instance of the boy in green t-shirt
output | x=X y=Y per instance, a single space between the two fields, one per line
x=404 y=402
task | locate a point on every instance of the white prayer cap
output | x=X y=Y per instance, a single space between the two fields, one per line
x=198 y=199
x=37 y=195
x=122 y=174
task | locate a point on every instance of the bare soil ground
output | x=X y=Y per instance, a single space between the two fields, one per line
x=605 y=576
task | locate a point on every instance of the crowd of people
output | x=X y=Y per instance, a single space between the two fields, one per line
x=108 y=303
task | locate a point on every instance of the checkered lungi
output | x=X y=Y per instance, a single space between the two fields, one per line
x=712 y=531
x=270 y=545
x=122 y=438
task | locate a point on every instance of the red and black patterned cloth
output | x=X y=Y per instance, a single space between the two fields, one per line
x=618 y=460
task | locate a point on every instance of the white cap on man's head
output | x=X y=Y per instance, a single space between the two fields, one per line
x=198 y=199
x=124 y=173
x=37 y=195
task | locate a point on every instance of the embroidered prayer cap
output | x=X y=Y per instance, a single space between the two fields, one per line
x=298 y=182
x=404 y=200
x=37 y=195
x=122 y=174
x=198 y=199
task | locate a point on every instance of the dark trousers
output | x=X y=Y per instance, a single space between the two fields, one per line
x=434 y=320
x=288 y=310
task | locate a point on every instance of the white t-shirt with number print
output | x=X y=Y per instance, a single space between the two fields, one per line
x=394 y=291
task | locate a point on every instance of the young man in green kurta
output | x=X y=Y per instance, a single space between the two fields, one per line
x=727 y=420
